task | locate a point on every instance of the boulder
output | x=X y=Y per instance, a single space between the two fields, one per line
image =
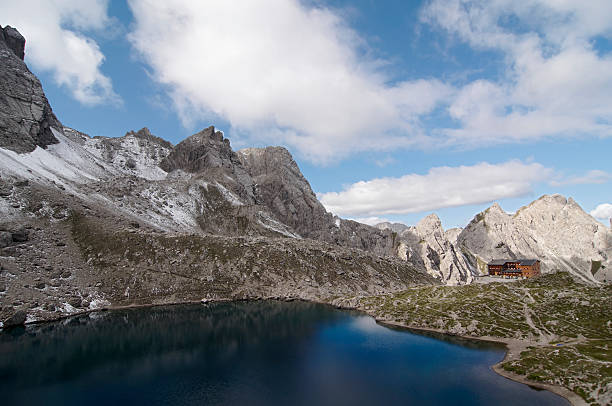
x=17 y=319
x=5 y=239
x=75 y=302
x=20 y=235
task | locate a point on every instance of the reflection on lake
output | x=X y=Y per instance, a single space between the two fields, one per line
x=247 y=353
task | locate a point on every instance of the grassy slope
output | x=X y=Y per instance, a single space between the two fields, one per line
x=567 y=325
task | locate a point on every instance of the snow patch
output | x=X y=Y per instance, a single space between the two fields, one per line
x=275 y=226
x=67 y=308
x=30 y=318
x=229 y=196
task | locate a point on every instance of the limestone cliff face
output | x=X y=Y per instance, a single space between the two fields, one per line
x=428 y=247
x=209 y=154
x=552 y=228
x=281 y=186
x=26 y=118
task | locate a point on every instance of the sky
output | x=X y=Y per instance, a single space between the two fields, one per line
x=392 y=109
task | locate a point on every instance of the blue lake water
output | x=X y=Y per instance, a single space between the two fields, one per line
x=248 y=353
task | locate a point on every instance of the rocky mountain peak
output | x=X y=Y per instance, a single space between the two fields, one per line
x=207 y=135
x=283 y=188
x=552 y=228
x=145 y=134
x=430 y=223
x=204 y=150
x=269 y=160
x=495 y=209
x=13 y=40
x=26 y=119
x=428 y=247
x=452 y=234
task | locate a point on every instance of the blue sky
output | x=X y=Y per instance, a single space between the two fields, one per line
x=392 y=109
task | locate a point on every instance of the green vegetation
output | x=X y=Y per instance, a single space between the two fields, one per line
x=568 y=325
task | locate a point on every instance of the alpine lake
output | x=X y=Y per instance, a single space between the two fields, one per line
x=248 y=353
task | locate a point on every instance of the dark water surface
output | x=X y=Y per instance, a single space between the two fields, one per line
x=247 y=353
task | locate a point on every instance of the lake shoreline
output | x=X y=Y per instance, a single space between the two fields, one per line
x=513 y=347
x=513 y=350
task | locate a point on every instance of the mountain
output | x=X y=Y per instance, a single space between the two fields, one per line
x=26 y=118
x=283 y=189
x=552 y=228
x=92 y=222
x=429 y=247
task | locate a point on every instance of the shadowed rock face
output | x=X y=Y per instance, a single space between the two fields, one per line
x=14 y=41
x=204 y=150
x=281 y=186
x=26 y=118
x=208 y=154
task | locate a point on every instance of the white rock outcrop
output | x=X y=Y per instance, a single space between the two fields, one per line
x=427 y=245
x=553 y=229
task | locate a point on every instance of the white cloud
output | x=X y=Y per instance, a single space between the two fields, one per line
x=555 y=81
x=440 y=187
x=594 y=176
x=55 y=42
x=603 y=211
x=280 y=72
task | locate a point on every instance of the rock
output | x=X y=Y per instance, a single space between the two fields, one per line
x=6 y=239
x=553 y=229
x=8 y=251
x=85 y=303
x=135 y=224
x=40 y=285
x=26 y=118
x=2 y=287
x=17 y=319
x=130 y=163
x=209 y=153
x=13 y=40
x=75 y=302
x=66 y=274
x=20 y=235
x=201 y=151
x=288 y=195
x=6 y=190
x=22 y=183
x=427 y=245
